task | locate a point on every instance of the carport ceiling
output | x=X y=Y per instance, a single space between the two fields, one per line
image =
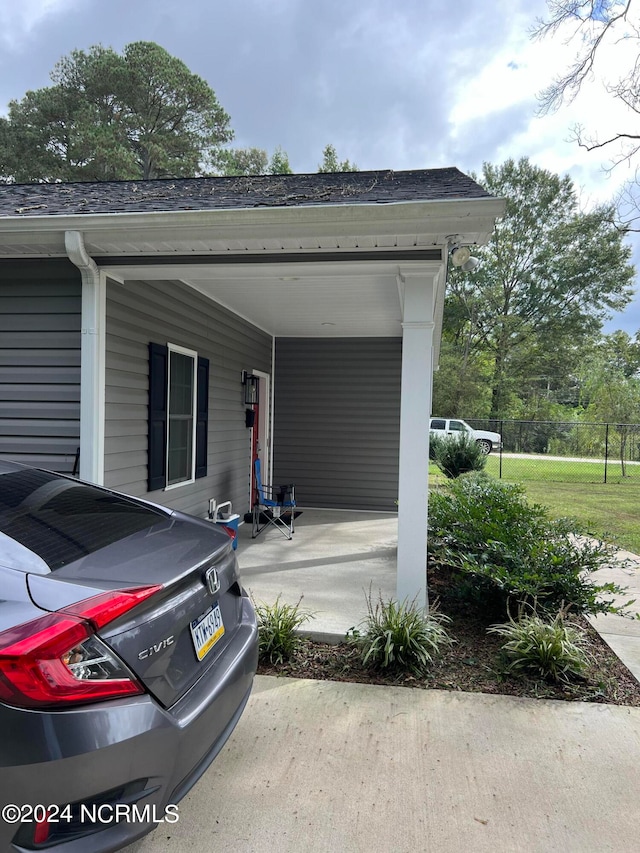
x=319 y=299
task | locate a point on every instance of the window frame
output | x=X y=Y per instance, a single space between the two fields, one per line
x=158 y=414
x=171 y=348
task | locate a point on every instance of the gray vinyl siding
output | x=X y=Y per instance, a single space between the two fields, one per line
x=337 y=420
x=170 y=312
x=40 y=317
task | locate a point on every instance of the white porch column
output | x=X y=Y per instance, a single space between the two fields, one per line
x=92 y=355
x=415 y=409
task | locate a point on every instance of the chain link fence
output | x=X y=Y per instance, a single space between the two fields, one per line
x=564 y=451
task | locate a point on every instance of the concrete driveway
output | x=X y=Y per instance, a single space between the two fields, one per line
x=349 y=768
x=352 y=768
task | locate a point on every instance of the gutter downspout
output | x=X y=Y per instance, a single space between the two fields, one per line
x=92 y=354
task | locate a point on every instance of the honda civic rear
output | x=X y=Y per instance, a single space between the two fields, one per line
x=127 y=653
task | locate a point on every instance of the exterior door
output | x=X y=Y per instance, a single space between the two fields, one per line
x=260 y=432
x=255 y=444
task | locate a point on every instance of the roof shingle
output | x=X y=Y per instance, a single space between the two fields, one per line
x=180 y=194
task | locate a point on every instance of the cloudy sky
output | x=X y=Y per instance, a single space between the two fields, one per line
x=395 y=84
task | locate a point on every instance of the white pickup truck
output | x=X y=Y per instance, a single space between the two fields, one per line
x=488 y=441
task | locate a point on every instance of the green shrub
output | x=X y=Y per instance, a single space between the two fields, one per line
x=277 y=623
x=456 y=455
x=510 y=549
x=547 y=649
x=400 y=637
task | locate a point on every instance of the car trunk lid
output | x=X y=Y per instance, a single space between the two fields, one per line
x=174 y=637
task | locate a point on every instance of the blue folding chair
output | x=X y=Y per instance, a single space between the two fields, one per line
x=273 y=505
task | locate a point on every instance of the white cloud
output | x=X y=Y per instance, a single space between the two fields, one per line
x=20 y=18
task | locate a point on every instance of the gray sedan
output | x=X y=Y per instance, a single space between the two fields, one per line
x=128 y=649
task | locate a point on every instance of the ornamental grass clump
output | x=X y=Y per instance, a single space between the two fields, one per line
x=400 y=637
x=542 y=648
x=277 y=624
x=456 y=455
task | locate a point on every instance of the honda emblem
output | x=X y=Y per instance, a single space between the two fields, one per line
x=211 y=580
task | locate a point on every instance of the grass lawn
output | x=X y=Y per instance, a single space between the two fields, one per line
x=609 y=510
x=559 y=470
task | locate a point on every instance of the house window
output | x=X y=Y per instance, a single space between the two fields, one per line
x=178 y=416
x=181 y=421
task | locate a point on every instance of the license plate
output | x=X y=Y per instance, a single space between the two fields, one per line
x=207 y=630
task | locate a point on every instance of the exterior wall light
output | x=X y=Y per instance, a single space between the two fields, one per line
x=461 y=257
x=471 y=264
x=250 y=383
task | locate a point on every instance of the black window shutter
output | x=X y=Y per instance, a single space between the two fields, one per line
x=158 y=378
x=202 y=419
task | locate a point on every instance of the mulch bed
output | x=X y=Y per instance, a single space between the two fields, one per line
x=473 y=664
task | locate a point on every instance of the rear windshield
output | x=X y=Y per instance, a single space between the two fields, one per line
x=61 y=520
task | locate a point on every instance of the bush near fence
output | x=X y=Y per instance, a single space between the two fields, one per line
x=568 y=451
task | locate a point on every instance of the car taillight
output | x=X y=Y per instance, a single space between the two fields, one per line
x=104 y=608
x=57 y=659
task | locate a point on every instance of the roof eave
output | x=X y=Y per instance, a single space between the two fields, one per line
x=336 y=213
